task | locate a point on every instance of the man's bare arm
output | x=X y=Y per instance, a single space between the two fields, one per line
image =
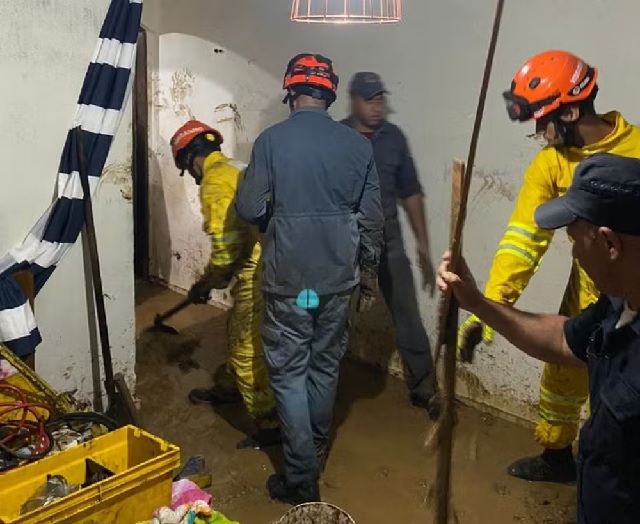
x=540 y=336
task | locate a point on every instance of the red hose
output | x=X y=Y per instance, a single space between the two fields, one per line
x=21 y=427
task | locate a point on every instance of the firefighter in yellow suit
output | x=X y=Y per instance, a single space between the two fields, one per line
x=235 y=253
x=557 y=90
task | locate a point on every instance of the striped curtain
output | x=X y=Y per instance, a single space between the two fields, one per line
x=104 y=95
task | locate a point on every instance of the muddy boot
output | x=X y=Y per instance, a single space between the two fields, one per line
x=299 y=494
x=554 y=465
x=264 y=438
x=214 y=396
x=425 y=395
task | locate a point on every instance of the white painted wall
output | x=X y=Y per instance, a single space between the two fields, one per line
x=45 y=47
x=433 y=65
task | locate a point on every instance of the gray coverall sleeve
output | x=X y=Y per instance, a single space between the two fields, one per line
x=253 y=194
x=370 y=221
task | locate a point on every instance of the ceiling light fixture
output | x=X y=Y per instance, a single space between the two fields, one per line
x=347 y=11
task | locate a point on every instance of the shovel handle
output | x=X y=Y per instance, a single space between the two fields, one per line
x=175 y=309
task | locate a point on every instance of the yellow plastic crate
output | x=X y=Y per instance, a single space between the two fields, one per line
x=34 y=388
x=143 y=468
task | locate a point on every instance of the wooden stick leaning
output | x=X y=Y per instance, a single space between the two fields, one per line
x=448 y=311
x=444 y=428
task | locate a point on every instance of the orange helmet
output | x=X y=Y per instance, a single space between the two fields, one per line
x=192 y=138
x=546 y=82
x=311 y=75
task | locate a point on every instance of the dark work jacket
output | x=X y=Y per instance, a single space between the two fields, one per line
x=609 y=448
x=312 y=184
x=397 y=174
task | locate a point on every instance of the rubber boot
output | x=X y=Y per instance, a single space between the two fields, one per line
x=299 y=494
x=554 y=465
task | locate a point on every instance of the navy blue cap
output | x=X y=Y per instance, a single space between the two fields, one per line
x=605 y=191
x=366 y=85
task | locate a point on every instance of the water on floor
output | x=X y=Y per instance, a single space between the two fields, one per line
x=378 y=471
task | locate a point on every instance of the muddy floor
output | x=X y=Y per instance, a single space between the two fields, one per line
x=379 y=470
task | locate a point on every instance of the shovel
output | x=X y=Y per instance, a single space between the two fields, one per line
x=158 y=321
x=121 y=405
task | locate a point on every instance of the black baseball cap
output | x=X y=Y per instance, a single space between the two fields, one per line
x=605 y=191
x=366 y=85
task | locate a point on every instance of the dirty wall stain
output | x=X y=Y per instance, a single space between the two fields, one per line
x=119 y=175
x=180 y=90
x=496 y=183
x=158 y=97
x=475 y=387
x=235 y=117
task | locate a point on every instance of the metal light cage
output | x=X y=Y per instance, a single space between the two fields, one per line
x=347 y=11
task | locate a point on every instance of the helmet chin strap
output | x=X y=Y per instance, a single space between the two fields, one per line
x=290 y=98
x=567 y=132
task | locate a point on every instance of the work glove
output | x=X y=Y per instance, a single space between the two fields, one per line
x=427 y=270
x=368 y=290
x=200 y=291
x=470 y=334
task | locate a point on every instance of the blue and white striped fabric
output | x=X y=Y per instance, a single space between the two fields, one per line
x=104 y=95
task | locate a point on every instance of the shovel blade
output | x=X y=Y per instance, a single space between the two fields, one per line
x=163 y=328
x=160 y=326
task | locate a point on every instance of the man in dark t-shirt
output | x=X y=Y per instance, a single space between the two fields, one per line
x=398 y=183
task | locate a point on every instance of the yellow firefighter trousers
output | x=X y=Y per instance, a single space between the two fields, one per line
x=564 y=390
x=246 y=363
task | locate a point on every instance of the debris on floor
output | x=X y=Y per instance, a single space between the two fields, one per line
x=189 y=505
x=35 y=420
x=383 y=476
x=121 y=476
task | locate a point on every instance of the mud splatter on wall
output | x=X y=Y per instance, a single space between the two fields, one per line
x=180 y=90
x=234 y=115
x=46 y=47
x=158 y=97
x=494 y=184
x=119 y=175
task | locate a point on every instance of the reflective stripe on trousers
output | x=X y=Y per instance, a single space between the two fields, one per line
x=246 y=356
x=563 y=390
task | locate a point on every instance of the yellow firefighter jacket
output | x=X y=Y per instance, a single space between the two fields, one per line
x=524 y=244
x=235 y=245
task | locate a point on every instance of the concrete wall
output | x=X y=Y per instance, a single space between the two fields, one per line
x=223 y=62
x=45 y=47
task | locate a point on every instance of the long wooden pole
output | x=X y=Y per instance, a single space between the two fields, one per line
x=471 y=158
x=448 y=327
x=446 y=422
